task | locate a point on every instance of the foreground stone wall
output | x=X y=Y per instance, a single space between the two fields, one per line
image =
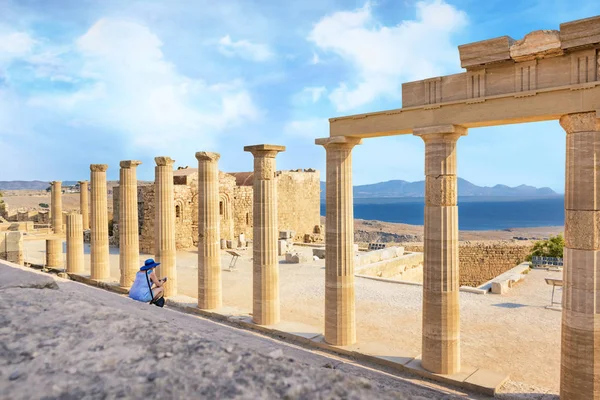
x=481 y=261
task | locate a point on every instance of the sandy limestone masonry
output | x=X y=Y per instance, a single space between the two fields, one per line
x=480 y=261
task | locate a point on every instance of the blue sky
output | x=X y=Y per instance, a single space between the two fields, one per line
x=87 y=81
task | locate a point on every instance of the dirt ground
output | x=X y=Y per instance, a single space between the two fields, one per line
x=512 y=333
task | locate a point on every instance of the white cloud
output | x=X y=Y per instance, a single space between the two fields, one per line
x=309 y=95
x=315 y=59
x=312 y=128
x=15 y=44
x=383 y=57
x=244 y=49
x=128 y=86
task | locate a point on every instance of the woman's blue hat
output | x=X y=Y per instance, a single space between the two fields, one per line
x=149 y=264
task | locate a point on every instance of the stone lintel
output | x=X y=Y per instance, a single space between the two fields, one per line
x=164 y=160
x=536 y=45
x=440 y=131
x=583 y=32
x=98 y=167
x=338 y=140
x=473 y=55
x=267 y=148
x=581 y=122
x=207 y=156
x=129 y=163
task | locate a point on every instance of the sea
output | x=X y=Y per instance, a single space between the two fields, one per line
x=475 y=213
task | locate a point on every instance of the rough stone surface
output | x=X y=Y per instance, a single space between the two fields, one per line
x=16 y=278
x=93 y=344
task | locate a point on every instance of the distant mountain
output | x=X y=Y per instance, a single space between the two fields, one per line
x=399 y=188
x=30 y=185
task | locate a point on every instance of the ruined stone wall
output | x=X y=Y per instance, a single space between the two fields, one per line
x=226 y=206
x=185 y=210
x=146 y=214
x=481 y=261
x=242 y=211
x=298 y=202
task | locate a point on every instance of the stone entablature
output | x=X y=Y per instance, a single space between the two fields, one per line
x=542 y=60
x=542 y=77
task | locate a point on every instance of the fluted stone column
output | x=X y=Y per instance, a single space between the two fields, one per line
x=164 y=246
x=100 y=265
x=54 y=247
x=265 y=266
x=209 y=254
x=84 y=204
x=580 y=339
x=340 y=319
x=129 y=244
x=441 y=314
x=74 y=243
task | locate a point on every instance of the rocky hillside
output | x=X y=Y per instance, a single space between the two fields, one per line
x=400 y=188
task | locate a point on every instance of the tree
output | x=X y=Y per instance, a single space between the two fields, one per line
x=552 y=247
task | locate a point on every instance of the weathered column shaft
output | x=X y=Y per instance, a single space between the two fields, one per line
x=265 y=266
x=56 y=206
x=164 y=247
x=100 y=265
x=129 y=244
x=580 y=339
x=53 y=253
x=209 y=254
x=340 y=310
x=74 y=235
x=54 y=247
x=441 y=313
x=84 y=203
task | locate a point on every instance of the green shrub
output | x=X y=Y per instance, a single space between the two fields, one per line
x=553 y=247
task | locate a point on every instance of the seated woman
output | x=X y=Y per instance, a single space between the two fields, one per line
x=142 y=289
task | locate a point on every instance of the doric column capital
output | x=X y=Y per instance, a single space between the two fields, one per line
x=58 y=183
x=207 y=156
x=98 y=167
x=440 y=133
x=581 y=122
x=338 y=142
x=264 y=150
x=83 y=182
x=164 y=161
x=129 y=163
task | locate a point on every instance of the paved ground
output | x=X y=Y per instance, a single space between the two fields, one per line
x=64 y=340
x=512 y=333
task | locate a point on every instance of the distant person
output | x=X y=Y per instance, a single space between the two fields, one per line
x=142 y=289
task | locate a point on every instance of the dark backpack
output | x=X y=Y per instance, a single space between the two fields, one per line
x=160 y=302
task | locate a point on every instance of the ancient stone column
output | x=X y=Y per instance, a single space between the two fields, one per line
x=74 y=243
x=129 y=244
x=265 y=266
x=441 y=317
x=100 y=265
x=340 y=320
x=84 y=204
x=209 y=254
x=54 y=247
x=580 y=341
x=164 y=245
